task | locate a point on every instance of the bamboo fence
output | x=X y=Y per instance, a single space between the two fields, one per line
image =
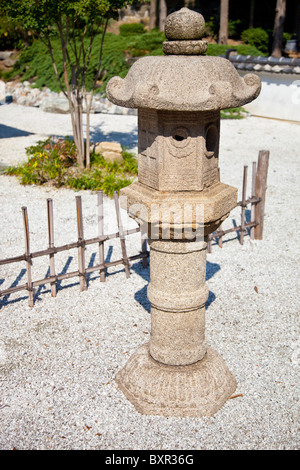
x=256 y=201
x=80 y=244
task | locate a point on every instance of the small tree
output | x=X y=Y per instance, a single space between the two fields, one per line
x=77 y=23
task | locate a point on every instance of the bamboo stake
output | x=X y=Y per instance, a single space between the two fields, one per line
x=209 y=237
x=253 y=195
x=122 y=236
x=260 y=191
x=81 y=247
x=51 y=243
x=28 y=258
x=100 y=233
x=242 y=231
x=220 y=228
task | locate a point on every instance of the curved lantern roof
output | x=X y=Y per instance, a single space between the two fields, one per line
x=184 y=79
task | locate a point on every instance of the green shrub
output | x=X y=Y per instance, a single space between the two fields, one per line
x=212 y=27
x=130 y=29
x=235 y=28
x=11 y=34
x=54 y=162
x=48 y=161
x=242 y=49
x=256 y=37
x=233 y=113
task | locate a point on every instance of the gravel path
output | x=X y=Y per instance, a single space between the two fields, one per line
x=58 y=360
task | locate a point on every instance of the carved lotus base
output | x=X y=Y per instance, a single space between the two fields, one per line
x=195 y=390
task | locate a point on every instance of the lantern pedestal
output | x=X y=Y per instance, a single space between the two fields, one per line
x=194 y=390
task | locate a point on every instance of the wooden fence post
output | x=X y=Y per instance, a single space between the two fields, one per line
x=242 y=230
x=122 y=236
x=81 y=254
x=27 y=257
x=260 y=191
x=253 y=195
x=51 y=243
x=100 y=233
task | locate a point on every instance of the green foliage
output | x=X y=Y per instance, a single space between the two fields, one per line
x=41 y=16
x=129 y=29
x=256 y=37
x=48 y=161
x=235 y=28
x=53 y=161
x=243 y=49
x=11 y=34
x=212 y=27
x=233 y=113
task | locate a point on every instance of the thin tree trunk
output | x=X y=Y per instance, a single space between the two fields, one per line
x=162 y=14
x=223 y=31
x=278 y=28
x=88 y=101
x=252 y=8
x=153 y=14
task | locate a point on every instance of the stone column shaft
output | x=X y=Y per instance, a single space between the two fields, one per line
x=177 y=293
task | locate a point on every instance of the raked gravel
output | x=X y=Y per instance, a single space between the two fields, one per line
x=58 y=360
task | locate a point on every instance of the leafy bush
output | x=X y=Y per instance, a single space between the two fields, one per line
x=129 y=29
x=212 y=27
x=11 y=34
x=256 y=37
x=53 y=161
x=233 y=113
x=235 y=28
x=243 y=49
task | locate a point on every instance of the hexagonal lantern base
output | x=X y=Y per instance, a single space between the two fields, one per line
x=195 y=390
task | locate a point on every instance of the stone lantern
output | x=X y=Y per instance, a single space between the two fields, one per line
x=178 y=200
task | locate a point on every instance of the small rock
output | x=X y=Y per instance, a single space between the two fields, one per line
x=111 y=151
x=55 y=105
x=112 y=157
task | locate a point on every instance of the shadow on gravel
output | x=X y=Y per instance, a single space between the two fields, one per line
x=7 y=132
x=126 y=139
x=140 y=295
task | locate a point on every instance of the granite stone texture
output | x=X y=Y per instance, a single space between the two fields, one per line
x=184 y=24
x=198 y=389
x=177 y=293
x=183 y=83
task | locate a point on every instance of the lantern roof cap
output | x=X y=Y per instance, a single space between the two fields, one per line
x=184 y=79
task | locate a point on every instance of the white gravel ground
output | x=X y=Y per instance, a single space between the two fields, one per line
x=58 y=360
